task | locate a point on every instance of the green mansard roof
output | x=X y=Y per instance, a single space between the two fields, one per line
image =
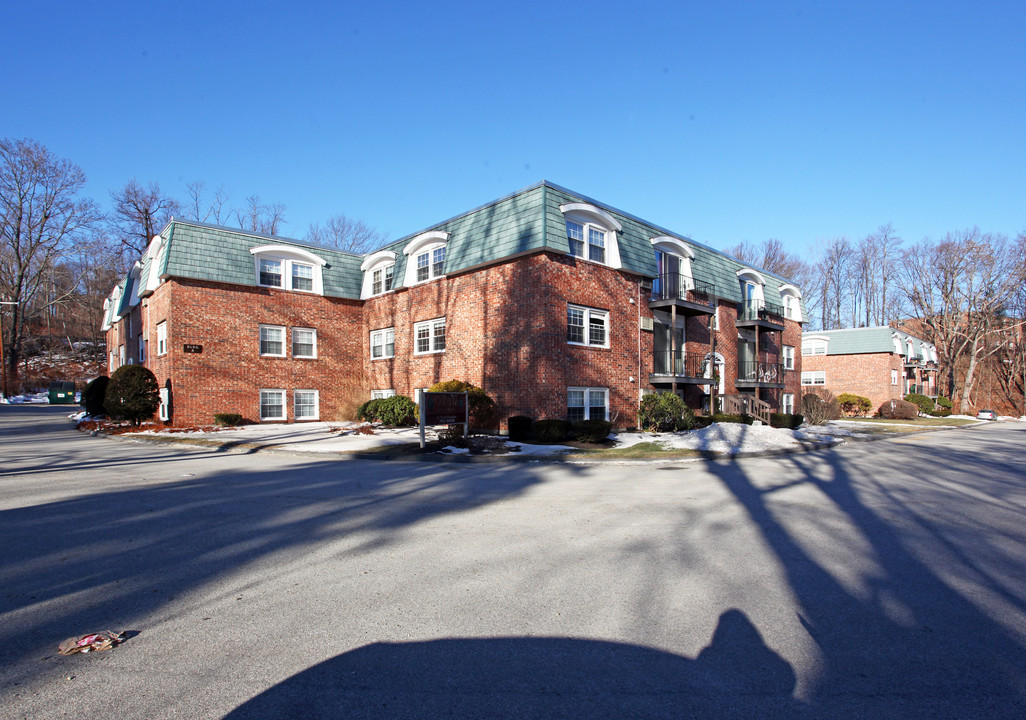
x=523 y=222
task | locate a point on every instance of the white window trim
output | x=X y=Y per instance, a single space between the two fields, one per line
x=288 y=256
x=788 y=355
x=588 y=314
x=284 y=410
x=787 y=403
x=295 y=405
x=377 y=261
x=587 y=396
x=260 y=340
x=304 y=357
x=813 y=377
x=894 y=378
x=162 y=338
x=431 y=324
x=589 y=216
x=380 y=337
x=382 y=394
x=423 y=243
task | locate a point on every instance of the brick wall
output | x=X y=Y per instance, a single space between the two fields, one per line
x=866 y=374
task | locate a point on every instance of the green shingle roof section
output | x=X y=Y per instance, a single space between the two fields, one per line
x=208 y=252
x=526 y=221
x=856 y=341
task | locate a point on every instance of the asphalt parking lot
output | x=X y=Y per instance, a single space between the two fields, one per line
x=879 y=580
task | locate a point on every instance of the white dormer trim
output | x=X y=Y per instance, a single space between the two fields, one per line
x=896 y=341
x=790 y=298
x=381 y=257
x=288 y=250
x=434 y=237
x=598 y=214
x=790 y=289
x=749 y=274
x=672 y=244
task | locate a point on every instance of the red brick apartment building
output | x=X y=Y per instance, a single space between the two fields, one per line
x=879 y=363
x=557 y=305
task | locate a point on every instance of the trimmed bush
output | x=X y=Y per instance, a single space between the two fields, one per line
x=943 y=412
x=592 y=431
x=551 y=431
x=785 y=420
x=227 y=419
x=854 y=405
x=703 y=421
x=368 y=412
x=723 y=418
x=924 y=403
x=945 y=403
x=93 y=395
x=665 y=412
x=519 y=428
x=898 y=410
x=483 y=412
x=396 y=411
x=132 y=394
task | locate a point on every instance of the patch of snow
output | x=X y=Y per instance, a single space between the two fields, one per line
x=528 y=449
x=732 y=438
x=40 y=398
x=455 y=450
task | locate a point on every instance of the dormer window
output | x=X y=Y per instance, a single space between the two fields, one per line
x=791 y=297
x=591 y=233
x=426 y=254
x=288 y=268
x=378 y=273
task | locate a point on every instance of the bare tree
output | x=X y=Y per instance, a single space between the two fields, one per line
x=960 y=291
x=830 y=282
x=344 y=233
x=42 y=219
x=203 y=209
x=139 y=213
x=772 y=256
x=257 y=217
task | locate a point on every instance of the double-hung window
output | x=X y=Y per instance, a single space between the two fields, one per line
x=814 y=347
x=584 y=403
x=162 y=338
x=587 y=326
x=306 y=404
x=302 y=276
x=787 y=404
x=272 y=340
x=596 y=241
x=591 y=233
x=430 y=263
x=788 y=357
x=813 y=377
x=382 y=394
x=381 y=279
x=382 y=343
x=304 y=343
x=271 y=272
x=429 y=336
x=272 y=404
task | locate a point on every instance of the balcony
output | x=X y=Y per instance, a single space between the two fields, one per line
x=914 y=361
x=691 y=297
x=684 y=368
x=763 y=373
x=760 y=314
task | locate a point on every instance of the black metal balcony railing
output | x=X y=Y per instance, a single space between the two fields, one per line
x=763 y=371
x=914 y=360
x=675 y=286
x=761 y=310
x=682 y=364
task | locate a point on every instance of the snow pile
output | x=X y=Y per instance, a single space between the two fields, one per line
x=733 y=438
x=35 y=398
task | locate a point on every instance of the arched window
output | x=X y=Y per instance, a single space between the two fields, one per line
x=289 y=268
x=591 y=233
x=426 y=254
x=378 y=273
x=753 y=298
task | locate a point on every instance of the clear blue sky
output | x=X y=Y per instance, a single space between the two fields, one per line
x=723 y=121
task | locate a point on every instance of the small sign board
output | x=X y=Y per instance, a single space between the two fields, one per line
x=189 y=348
x=444 y=408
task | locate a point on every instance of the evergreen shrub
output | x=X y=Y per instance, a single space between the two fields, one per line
x=132 y=394
x=93 y=395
